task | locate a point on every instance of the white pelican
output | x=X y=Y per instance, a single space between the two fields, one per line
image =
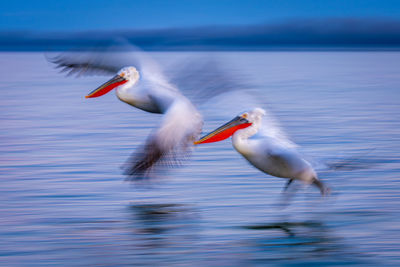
x=264 y=152
x=143 y=86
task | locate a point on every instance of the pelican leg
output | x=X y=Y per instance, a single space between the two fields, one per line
x=318 y=183
x=287 y=185
x=287 y=195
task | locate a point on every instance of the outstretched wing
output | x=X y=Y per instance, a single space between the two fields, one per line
x=203 y=77
x=170 y=143
x=108 y=59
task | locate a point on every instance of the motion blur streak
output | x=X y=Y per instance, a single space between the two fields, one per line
x=63 y=202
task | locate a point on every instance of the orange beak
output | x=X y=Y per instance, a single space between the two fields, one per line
x=225 y=131
x=107 y=87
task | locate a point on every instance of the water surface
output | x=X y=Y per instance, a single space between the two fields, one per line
x=63 y=199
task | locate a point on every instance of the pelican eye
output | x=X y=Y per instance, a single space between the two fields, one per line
x=122 y=74
x=244 y=116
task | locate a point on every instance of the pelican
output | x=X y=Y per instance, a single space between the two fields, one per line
x=139 y=82
x=264 y=152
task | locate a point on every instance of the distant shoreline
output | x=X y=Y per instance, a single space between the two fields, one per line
x=334 y=34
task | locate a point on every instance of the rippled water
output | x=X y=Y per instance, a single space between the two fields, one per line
x=63 y=199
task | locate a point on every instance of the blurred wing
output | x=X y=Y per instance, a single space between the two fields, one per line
x=108 y=59
x=180 y=127
x=232 y=91
x=87 y=63
x=272 y=129
x=364 y=159
x=201 y=78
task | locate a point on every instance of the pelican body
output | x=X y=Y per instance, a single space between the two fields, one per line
x=148 y=90
x=264 y=152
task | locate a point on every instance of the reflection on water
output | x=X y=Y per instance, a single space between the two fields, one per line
x=286 y=226
x=308 y=239
x=160 y=218
x=164 y=225
x=63 y=200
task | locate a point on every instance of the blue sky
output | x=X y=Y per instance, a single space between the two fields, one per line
x=81 y=15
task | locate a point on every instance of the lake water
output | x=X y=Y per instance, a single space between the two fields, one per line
x=63 y=199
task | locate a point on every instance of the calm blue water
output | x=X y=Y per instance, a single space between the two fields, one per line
x=63 y=199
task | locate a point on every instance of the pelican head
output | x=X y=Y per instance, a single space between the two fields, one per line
x=255 y=116
x=128 y=76
x=242 y=121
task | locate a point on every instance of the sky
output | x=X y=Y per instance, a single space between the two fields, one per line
x=98 y=15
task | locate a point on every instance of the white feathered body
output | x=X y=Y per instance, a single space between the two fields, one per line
x=274 y=159
x=269 y=155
